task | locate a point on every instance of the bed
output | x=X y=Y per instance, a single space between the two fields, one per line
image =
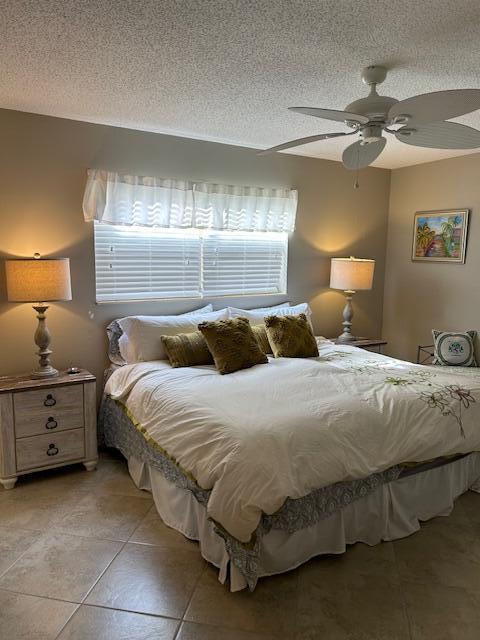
x=273 y=465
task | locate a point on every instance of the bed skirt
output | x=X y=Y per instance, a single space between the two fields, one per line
x=393 y=511
x=385 y=506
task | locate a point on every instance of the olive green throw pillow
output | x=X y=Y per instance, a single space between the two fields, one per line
x=187 y=349
x=291 y=336
x=232 y=344
x=260 y=334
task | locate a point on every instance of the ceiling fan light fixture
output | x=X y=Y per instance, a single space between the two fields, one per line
x=371 y=133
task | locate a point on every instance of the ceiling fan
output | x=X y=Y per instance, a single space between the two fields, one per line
x=420 y=121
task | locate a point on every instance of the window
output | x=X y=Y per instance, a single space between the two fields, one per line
x=147 y=263
x=165 y=238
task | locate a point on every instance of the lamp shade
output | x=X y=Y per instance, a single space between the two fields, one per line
x=38 y=280
x=351 y=274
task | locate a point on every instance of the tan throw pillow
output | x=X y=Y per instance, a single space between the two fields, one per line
x=260 y=334
x=187 y=349
x=291 y=336
x=232 y=344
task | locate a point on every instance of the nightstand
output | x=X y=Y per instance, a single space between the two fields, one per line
x=369 y=344
x=46 y=423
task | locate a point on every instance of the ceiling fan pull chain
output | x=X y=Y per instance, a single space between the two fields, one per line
x=356 y=184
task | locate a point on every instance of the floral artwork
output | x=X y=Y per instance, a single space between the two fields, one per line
x=440 y=236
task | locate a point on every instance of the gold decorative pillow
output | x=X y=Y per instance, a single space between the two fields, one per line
x=187 y=349
x=232 y=344
x=260 y=334
x=291 y=336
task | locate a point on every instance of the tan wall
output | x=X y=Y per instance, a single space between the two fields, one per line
x=423 y=296
x=43 y=166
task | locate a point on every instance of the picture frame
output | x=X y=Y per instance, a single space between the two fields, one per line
x=440 y=236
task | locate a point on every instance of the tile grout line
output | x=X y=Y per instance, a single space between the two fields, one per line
x=197 y=582
x=54 y=529
x=90 y=590
x=35 y=595
x=68 y=619
x=96 y=606
x=3 y=573
x=104 y=571
x=141 y=522
x=137 y=613
x=30 y=595
x=100 y=606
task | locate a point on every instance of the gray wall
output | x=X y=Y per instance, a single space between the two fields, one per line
x=43 y=166
x=421 y=296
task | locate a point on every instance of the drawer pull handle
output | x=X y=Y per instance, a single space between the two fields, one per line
x=51 y=423
x=52 y=450
x=49 y=401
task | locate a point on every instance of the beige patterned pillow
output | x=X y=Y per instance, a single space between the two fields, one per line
x=187 y=349
x=260 y=334
x=232 y=344
x=291 y=336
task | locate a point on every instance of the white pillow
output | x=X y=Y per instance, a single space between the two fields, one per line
x=114 y=333
x=140 y=341
x=256 y=316
x=234 y=312
x=206 y=309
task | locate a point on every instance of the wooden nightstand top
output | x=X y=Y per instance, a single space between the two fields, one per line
x=22 y=382
x=363 y=342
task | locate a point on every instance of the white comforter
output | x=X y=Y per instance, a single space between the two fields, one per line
x=282 y=429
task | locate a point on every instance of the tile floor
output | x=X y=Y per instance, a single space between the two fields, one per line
x=84 y=556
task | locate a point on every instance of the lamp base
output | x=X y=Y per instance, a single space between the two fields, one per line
x=42 y=340
x=46 y=372
x=346 y=337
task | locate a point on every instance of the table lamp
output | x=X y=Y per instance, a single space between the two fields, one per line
x=350 y=275
x=39 y=280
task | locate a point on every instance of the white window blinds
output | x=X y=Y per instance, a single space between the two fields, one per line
x=244 y=263
x=133 y=263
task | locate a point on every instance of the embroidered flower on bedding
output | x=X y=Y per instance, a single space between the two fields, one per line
x=451 y=400
x=442 y=400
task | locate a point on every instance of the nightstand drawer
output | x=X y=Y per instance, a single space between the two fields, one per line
x=48 y=410
x=50 y=449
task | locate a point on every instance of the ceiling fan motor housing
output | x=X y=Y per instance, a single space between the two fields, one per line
x=374 y=107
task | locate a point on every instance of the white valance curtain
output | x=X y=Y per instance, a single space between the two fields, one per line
x=121 y=199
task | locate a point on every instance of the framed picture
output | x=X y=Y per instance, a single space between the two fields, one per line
x=440 y=236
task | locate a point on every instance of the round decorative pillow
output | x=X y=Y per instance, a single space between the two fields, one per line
x=454 y=348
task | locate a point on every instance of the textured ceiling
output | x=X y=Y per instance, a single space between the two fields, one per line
x=227 y=70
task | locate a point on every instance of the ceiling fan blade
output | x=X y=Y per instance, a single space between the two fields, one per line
x=300 y=141
x=436 y=106
x=330 y=114
x=359 y=155
x=441 y=135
